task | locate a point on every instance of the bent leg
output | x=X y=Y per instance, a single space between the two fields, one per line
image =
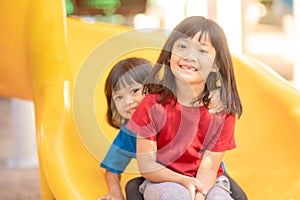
x=237 y=191
x=164 y=191
x=221 y=190
x=132 y=189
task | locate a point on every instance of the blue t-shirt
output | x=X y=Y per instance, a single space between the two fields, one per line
x=122 y=150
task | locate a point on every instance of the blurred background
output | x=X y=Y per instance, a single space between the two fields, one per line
x=264 y=29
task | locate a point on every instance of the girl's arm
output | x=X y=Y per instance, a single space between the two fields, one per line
x=208 y=169
x=116 y=159
x=155 y=172
x=114 y=187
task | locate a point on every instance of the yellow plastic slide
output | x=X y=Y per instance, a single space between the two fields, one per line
x=60 y=63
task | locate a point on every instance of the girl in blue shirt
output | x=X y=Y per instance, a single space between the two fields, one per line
x=123 y=91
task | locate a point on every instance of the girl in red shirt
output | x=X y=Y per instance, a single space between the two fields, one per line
x=180 y=144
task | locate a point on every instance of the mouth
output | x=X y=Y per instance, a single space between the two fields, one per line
x=130 y=111
x=188 y=68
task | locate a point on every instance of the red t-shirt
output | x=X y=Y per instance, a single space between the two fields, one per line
x=182 y=133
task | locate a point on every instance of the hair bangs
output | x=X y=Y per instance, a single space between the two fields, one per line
x=123 y=82
x=131 y=77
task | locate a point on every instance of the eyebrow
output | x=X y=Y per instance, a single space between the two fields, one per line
x=131 y=86
x=135 y=86
x=184 y=39
x=116 y=93
x=203 y=41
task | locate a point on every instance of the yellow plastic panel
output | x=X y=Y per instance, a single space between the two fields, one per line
x=268 y=140
x=14 y=73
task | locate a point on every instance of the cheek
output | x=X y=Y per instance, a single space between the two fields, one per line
x=118 y=106
x=206 y=64
x=174 y=59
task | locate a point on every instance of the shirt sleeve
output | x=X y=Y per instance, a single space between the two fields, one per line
x=221 y=132
x=120 y=152
x=148 y=118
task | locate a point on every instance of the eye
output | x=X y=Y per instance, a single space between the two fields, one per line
x=118 y=98
x=181 y=46
x=181 y=43
x=134 y=90
x=203 y=51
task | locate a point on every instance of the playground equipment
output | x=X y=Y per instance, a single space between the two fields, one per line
x=60 y=63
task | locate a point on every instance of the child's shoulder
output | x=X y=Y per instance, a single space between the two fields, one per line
x=152 y=97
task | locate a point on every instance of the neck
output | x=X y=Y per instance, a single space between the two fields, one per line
x=187 y=93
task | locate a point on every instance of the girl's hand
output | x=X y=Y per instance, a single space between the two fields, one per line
x=106 y=197
x=194 y=186
x=111 y=197
x=199 y=196
x=215 y=105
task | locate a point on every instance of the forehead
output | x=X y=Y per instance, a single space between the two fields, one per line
x=124 y=81
x=124 y=84
x=200 y=37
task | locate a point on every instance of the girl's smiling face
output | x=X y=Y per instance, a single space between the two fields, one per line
x=192 y=60
x=127 y=99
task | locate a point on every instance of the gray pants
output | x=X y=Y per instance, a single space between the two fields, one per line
x=175 y=191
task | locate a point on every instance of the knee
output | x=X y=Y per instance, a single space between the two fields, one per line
x=217 y=193
x=130 y=186
x=214 y=197
x=174 y=196
x=133 y=185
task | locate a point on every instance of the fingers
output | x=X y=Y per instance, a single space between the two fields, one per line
x=216 y=105
x=199 y=196
x=194 y=186
x=215 y=94
x=199 y=187
x=106 y=197
x=190 y=185
x=192 y=191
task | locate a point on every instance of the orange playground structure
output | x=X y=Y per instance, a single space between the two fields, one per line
x=60 y=63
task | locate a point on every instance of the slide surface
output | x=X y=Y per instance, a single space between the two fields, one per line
x=62 y=63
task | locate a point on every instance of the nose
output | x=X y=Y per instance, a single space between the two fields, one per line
x=190 y=55
x=129 y=99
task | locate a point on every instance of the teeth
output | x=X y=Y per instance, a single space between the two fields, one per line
x=189 y=68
